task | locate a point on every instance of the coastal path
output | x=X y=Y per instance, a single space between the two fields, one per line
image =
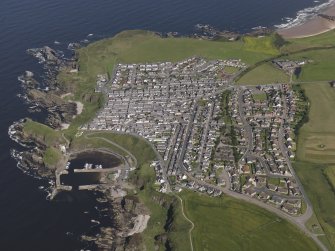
x=192 y=227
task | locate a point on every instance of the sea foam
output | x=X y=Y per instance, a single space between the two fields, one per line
x=304 y=15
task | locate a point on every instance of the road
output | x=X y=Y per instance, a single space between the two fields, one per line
x=299 y=221
x=247 y=127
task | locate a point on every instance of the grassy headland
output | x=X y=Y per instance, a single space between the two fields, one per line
x=42 y=133
x=226 y=222
x=47 y=137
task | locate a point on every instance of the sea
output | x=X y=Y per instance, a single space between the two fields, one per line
x=29 y=221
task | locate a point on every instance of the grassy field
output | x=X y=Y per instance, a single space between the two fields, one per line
x=82 y=143
x=316 y=157
x=43 y=133
x=229 y=224
x=230 y=70
x=259 y=96
x=321 y=68
x=264 y=74
x=330 y=174
x=321 y=194
x=316 y=141
x=52 y=156
x=262 y=44
x=138 y=147
x=325 y=39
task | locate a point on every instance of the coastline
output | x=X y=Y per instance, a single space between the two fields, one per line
x=312 y=27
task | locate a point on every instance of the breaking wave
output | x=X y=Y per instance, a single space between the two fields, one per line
x=304 y=15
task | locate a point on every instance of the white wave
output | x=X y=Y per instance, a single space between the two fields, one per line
x=304 y=15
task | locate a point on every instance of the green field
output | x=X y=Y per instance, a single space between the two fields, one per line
x=264 y=74
x=321 y=68
x=316 y=141
x=52 y=156
x=229 y=224
x=316 y=155
x=269 y=44
x=259 y=96
x=325 y=39
x=322 y=196
x=42 y=133
x=330 y=174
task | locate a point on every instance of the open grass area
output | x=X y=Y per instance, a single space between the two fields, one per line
x=316 y=142
x=330 y=175
x=231 y=70
x=43 y=133
x=325 y=39
x=138 y=147
x=274 y=181
x=264 y=74
x=259 y=96
x=264 y=44
x=229 y=224
x=321 y=68
x=52 y=156
x=316 y=157
x=322 y=196
x=83 y=143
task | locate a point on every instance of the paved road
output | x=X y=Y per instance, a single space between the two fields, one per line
x=247 y=127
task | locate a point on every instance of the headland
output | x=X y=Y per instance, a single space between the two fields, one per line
x=238 y=137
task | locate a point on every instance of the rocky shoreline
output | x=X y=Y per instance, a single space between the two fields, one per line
x=128 y=215
x=47 y=96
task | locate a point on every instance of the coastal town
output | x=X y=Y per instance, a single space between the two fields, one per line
x=210 y=136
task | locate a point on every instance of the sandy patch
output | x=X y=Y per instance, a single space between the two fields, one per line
x=315 y=26
x=80 y=107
